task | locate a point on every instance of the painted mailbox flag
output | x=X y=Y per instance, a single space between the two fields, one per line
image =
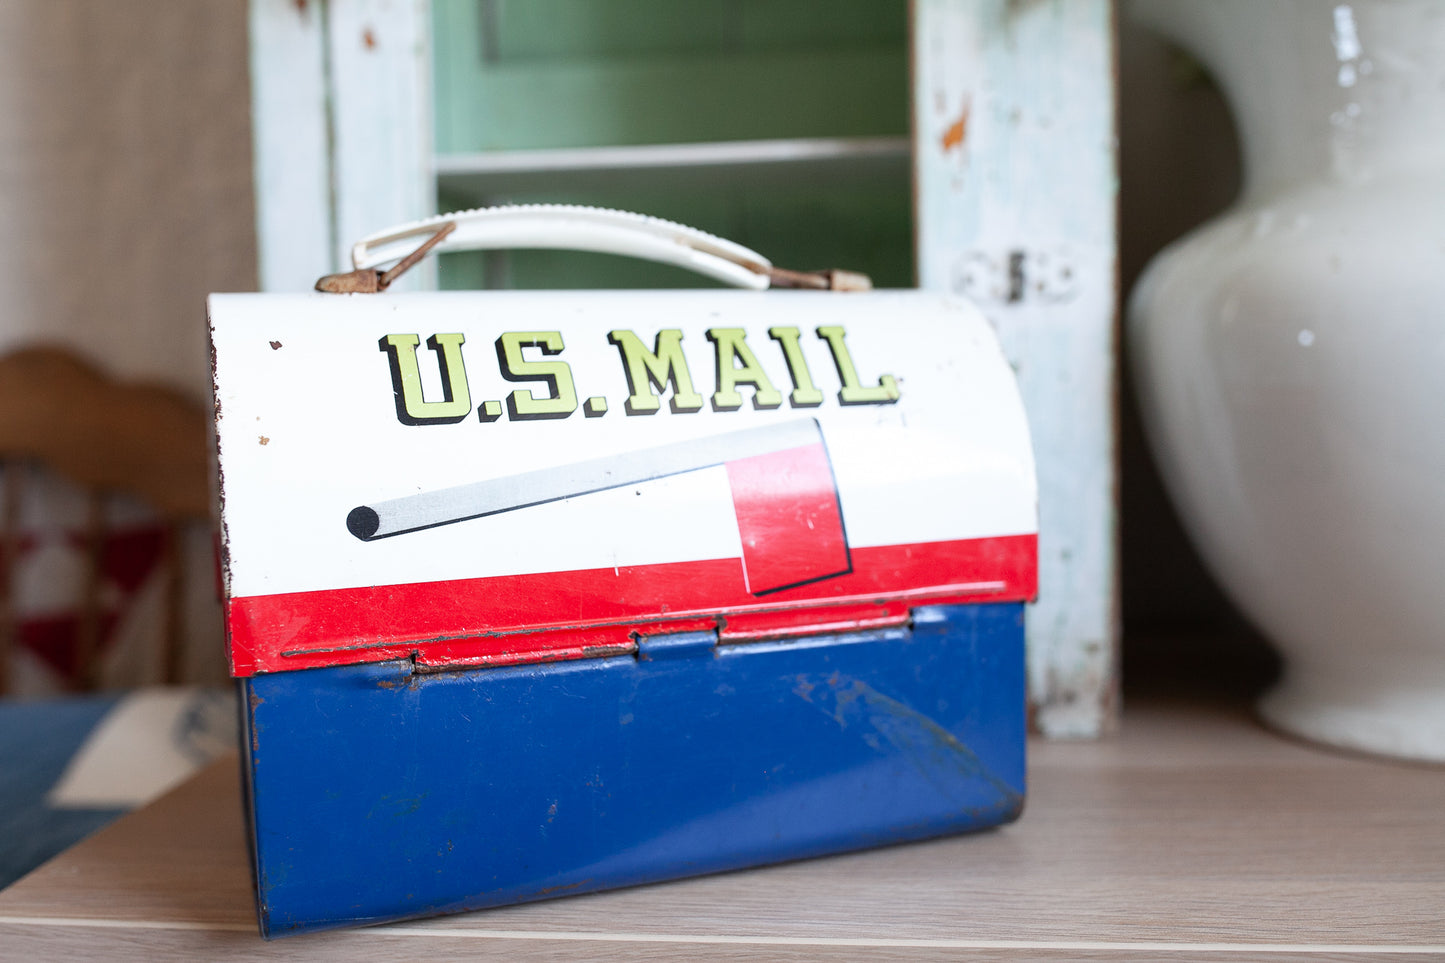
x=789 y=519
x=516 y=490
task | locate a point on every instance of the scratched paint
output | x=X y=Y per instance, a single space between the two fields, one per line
x=382 y=794
x=910 y=733
x=341 y=121
x=957 y=132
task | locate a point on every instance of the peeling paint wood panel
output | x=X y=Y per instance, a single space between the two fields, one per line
x=1016 y=185
x=380 y=69
x=341 y=110
x=291 y=143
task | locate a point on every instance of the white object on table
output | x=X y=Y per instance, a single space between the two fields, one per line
x=1289 y=357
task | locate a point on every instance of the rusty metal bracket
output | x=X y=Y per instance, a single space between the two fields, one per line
x=830 y=280
x=372 y=281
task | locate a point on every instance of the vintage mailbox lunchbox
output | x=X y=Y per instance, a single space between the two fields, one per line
x=537 y=593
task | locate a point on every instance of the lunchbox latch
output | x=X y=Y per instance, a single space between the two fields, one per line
x=678 y=645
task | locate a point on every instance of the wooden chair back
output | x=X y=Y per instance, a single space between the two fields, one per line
x=60 y=412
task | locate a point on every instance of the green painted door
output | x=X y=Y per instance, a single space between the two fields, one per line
x=569 y=75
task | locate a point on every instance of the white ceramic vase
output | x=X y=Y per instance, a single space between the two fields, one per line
x=1290 y=357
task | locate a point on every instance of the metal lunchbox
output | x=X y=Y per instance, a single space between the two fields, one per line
x=537 y=593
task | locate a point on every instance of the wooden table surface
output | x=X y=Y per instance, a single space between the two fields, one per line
x=1193 y=834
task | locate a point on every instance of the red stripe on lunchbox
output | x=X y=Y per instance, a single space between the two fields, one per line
x=516 y=618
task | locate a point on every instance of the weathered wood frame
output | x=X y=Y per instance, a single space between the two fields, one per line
x=340 y=93
x=1016 y=180
x=1015 y=174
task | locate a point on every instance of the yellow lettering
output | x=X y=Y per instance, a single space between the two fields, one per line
x=805 y=393
x=664 y=364
x=853 y=393
x=522 y=405
x=732 y=346
x=411 y=407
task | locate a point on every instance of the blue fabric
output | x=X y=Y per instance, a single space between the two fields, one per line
x=37 y=739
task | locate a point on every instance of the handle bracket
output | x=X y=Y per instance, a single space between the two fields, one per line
x=372 y=281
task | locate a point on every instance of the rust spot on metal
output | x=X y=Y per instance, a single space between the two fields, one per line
x=957 y=132
x=255 y=701
x=372 y=281
x=512 y=659
x=790 y=632
x=368 y=39
x=275 y=345
x=605 y=651
x=563 y=889
x=363 y=281
x=830 y=280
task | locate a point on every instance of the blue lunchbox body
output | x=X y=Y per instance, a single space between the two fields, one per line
x=379 y=792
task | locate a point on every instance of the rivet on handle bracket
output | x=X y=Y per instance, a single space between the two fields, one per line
x=372 y=281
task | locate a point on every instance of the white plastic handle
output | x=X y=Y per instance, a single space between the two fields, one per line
x=571 y=227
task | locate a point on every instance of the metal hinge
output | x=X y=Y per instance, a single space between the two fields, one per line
x=681 y=645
